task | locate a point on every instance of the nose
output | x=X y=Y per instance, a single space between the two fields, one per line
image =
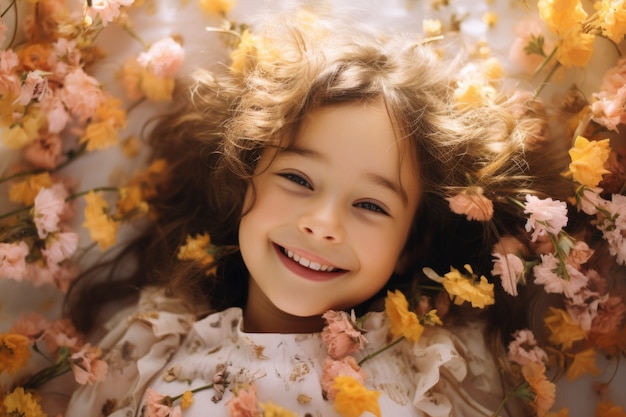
x=322 y=222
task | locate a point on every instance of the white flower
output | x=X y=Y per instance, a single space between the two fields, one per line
x=510 y=268
x=546 y=216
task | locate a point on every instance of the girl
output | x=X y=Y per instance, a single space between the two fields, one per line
x=324 y=154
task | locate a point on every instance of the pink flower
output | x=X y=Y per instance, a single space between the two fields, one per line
x=611 y=312
x=589 y=200
x=525 y=30
x=341 y=335
x=56 y=113
x=244 y=403
x=49 y=204
x=510 y=244
x=546 y=216
x=59 y=247
x=31 y=325
x=158 y=405
x=13 y=260
x=472 y=203
x=81 y=94
x=583 y=307
x=61 y=334
x=34 y=87
x=163 y=59
x=346 y=366
x=545 y=275
x=579 y=254
x=9 y=82
x=44 y=152
x=3 y=31
x=87 y=366
x=524 y=349
x=510 y=268
x=64 y=58
x=609 y=113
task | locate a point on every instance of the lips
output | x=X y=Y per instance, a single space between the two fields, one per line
x=307 y=268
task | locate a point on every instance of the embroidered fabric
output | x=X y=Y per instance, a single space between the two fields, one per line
x=160 y=346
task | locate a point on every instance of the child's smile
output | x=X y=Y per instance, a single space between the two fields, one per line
x=331 y=213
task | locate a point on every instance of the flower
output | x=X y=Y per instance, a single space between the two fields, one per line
x=562 y=328
x=353 y=399
x=14 y=352
x=461 y=288
x=524 y=348
x=87 y=366
x=158 y=405
x=546 y=216
x=561 y=15
x=163 y=59
x=575 y=48
x=272 y=410
x=186 y=400
x=608 y=409
x=588 y=159
x=346 y=366
x=102 y=228
x=341 y=335
x=510 y=268
x=216 y=7
x=545 y=391
x=612 y=15
x=48 y=206
x=472 y=203
x=13 y=260
x=402 y=322
x=25 y=191
x=197 y=248
x=21 y=403
x=244 y=403
x=584 y=362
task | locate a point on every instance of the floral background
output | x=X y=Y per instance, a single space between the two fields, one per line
x=140 y=46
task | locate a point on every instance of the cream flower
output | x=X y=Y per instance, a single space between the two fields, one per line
x=546 y=216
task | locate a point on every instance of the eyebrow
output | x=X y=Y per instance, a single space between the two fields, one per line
x=371 y=176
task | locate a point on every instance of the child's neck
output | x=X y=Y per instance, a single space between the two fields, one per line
x=262 y=316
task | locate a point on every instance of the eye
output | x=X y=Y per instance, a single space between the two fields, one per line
x=368 y=205
x=295 y=178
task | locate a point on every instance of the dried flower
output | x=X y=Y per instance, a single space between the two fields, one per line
x=102 y=228
x=524 y=348
x=588 y=159
x=479 y=292
x=545 y=391
x=21 y=403
x=346 y=366
x=244 y=403
x=87 y=365
x=353 y=399
x=510 y=268
x=472 y=203
x=341 y=334
x=14 y=352
x=272 y=410
x=546 y=216
x=402 y=322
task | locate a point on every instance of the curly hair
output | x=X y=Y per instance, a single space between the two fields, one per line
x=213 y=141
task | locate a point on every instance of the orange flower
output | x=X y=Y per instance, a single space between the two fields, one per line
x=545 y=391
x=584 y=362
x=561 y=15
x=216 y=7
x=272 y=410
x=402 y=322
x=14 y=352
x=472 y=203
x=612 y=17
x=156 y=88
x=186 y=400
x=607 y=409
x=131 y=201
x=462 y=288
x=353 y=399
x=103 y=131
x=199 y=249
x=25 y=191
x=24 y=132
x=563 y=330
x=102 y=228
x=588 y=159
x=575 y=48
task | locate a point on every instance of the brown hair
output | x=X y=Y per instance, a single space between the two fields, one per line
x=212 y=143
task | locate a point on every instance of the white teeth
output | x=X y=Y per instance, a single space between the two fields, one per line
x=316 y=266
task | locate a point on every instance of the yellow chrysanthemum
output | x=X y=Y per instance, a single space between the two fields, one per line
x=402 y=322
x=462 y=288
x=588 y=159
x=584 y=363
x=216 y=7
x=14 y=352
x=186 y=400
x=131 y=201
x=21 y=403
x=197 y=249
x=25 y=191
x=102 y=228
x=103 y=131
x=24 y=132
x=575 y=48
x=561 y=15
x=562 y=328
x=612 y=17
x=431 y=319
x=272 y=410
x=353 y=399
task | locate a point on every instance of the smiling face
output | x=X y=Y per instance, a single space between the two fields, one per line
x=331 y=214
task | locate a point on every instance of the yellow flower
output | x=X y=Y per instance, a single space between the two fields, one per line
x=584 y=362
x=588 y=159
x=103 y=131
x=612 y=16
x=431 y=319
x=561 y=15
x=432 y=27
x=156 y=88
x=563 y=412
x=607 y=409
x=472 y=93
x=14 y=352
x=490 y=19
x=186 y=400
x=131 y=201
x=462 y=288
x=102 y=228
x=200 y=249
x=272 y=410
x=20 y=403
x=575 y=48
x=216 y=7
x=402 y=322
x=545 y=391
x=563 y=330
x=353 y=399
x=22 y=133
x=25 y=191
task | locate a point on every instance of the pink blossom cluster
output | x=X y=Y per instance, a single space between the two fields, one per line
x=609 y=107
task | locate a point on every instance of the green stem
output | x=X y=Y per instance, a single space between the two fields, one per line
x=507 y=397
x=202 y=388
x=545 y=81
x=545 y=62
x=381 y=350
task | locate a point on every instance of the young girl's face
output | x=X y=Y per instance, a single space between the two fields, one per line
x=332 y=212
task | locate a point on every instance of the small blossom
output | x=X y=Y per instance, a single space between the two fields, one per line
x=45 y=151
x=462 y=288
x=22 y=403
x=562 y=328
x=158 y=405
x=244 y=403
x=546 y=216
x=34 y=87
x=353 y=399
x=14 y=352
x=612 y=15
x=546 y=274
x=588 y=159
x=107 y=10
x=156 y=88
x=59 y=247
x=588 y=199
x=341 y=335
x=13 y=260
x=47 y=209
x=272 y=410
x=584 y=363
x=216 y=7
x=346 y=366
x=524 y=348
x=81 y=94
x=545 y=391
x=608 y=409
x=472 y=203
x=575 y=48
x=561 y=15
x=198 y=248
x=186 y=400
x=164 y=58
x=609 y=316
x=102 y=228
x=402 y=322
x=510 y=268
x=87 y=365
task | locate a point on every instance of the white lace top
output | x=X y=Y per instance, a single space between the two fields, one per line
x=160 y=347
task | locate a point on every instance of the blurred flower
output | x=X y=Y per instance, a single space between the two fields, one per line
x=510 y=268
x=561 y=15
x=13 y=260
x=216 y=7
x=87 y=365
x=545 y=391
x=48 y=206
x=272 y=410
x=608 y=409
x=584 y=362
x=472 y=203
x=477 y=291
x=402 y=322
x=575 y=48
x=14 y=352
x=546 y=216
x=562 y=329
x=158 y=405
x=163 y=59
x=353 y=399
x=524 y=348
x=186 y=400
x=21 y=403
x=612 y=17
x=102 y=228
x=341 y=334
x=333 y=368
x=244 y=403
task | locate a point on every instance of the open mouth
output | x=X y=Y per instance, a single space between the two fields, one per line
x=312 y=265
